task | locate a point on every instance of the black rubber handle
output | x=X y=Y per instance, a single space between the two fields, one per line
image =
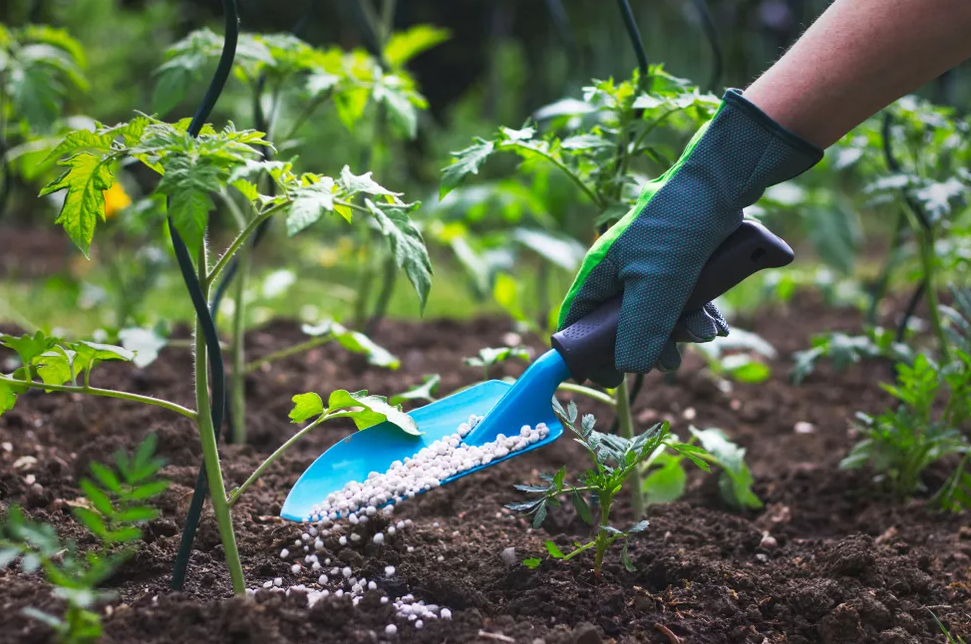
x=587 y=346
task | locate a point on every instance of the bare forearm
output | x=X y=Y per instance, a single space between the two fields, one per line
x=857 y=58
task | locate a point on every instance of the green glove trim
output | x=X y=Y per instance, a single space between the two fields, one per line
x=655 y=253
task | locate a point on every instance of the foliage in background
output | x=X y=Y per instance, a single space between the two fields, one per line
x=115 y=507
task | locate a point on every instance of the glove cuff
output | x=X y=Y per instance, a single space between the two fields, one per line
x=784 y=154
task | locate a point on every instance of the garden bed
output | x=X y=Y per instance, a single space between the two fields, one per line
x=842 y=565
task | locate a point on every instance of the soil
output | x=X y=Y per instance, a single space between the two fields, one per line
x=844 y=563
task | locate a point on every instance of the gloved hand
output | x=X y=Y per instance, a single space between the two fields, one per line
x=655 y=254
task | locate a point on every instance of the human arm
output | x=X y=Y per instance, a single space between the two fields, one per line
x=857 y=58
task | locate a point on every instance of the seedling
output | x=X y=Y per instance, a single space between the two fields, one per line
x=902 y=442
x=614 y=460
x=844 y=350
x=489 y=357
x=115 y=506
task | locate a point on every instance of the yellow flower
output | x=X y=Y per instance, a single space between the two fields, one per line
x=116 y=200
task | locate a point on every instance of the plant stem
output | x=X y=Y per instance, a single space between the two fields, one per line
x=238 y=492
x=286 y=353
x=241 y=238
x=602 y=541
x=364 y=284
x=239 y=351
x=389 y=273
x=105 y=393
x=573 y=177
x=210 y=453
x=599 y=396
x=626 y=429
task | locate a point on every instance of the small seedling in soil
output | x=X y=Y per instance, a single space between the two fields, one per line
x=489 y=357
x=614 y=459
x=113 y=510
x=903 y=441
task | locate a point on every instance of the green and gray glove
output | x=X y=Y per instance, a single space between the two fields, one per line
x=655 y=254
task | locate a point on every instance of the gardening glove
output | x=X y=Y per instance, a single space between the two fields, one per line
x=655 y=254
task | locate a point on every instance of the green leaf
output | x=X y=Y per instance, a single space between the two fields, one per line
x=424 y=391
x=353 y=184
x=7 y=555
x=136 y=514
x=554 y=550
x=305 y=407
x=639 y=527
x=92 y=521
x=98 y=499
x=310 y=203
x=744 y=368
x=466 y=162
x=45 y=618
x=736 y=481
x=8 y=397
x=564 y=251
x=402 y=46
x=57 y=367
x=90 y=353
x=106 y=477
x=666 y=483
x=532 y=563
x=400 y=100
x=407 y=246
x=625 y=557
x=86 y=180
x=169 y=89
x=144 y=344
x=28 y=347
x=188 y=182
x=357 y=342
x=367 y=411
x=148 y=490
x=583 y=510
x=123 y=535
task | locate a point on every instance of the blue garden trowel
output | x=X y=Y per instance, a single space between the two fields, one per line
x=582 y=351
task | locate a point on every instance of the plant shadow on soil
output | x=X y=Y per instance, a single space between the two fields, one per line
x=848 y=566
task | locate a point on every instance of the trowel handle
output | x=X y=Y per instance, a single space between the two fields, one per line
x=587 y=346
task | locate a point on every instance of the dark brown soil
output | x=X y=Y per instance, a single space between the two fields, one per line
x=849 y=565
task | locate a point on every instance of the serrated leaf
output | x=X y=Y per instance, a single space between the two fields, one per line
x=402 y=46
x=310 y=203
x=56 y=367
x=188 y=181
x=540 y=515
x=367 y=411
x=90 y=353
x=554 y=550
x=407 y=246
x=465 y=162
x=305 y=407
x=638 y=527
x=400 y=101
x=353 y=184
x=583 y=510
x=27 y=346
x=86 y=179
x=565 y=252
